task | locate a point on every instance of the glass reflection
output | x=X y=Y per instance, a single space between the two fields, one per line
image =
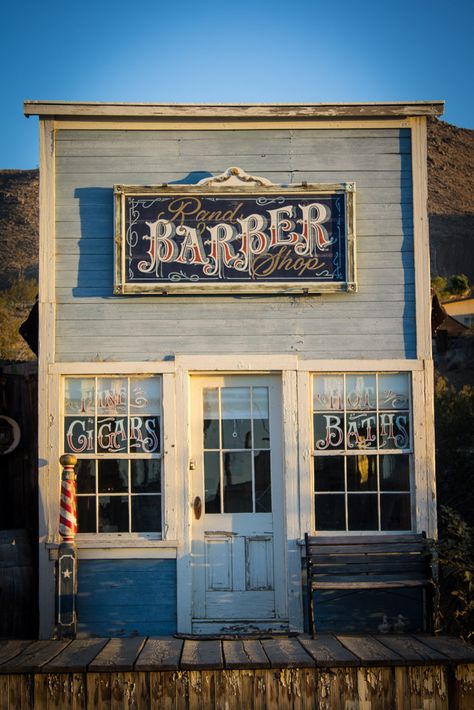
x=328 y=393
x=330 y=513
x=145 y=395
x=145 y=475
x=394 y=391
x=146 y=514
x=212 y=480
x=112 y=395
x=360 y=392
x=85 y=471
x=329 y=473
x=363 y=511
x=79 y=395
x=395 y=511
x=113 y=475
x=113 y=514
x=86 y=514
x=238 y=482
x=263 y=491
x=394 y=472
x=362 y=473
x=211 y=417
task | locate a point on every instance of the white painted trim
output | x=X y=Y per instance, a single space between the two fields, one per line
x=291 y=486
x=236 y=363
x=179 y=111
x=305 y=451
x=421 y=237
x=112 y=368
x=169 y=471
x=432 y=517
x=227 y=125
x=359 y=365
x=47 y=467
x=183 y=511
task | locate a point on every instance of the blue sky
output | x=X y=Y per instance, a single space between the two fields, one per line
x=208 y=51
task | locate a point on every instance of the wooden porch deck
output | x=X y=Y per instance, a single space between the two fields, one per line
x=330 y=671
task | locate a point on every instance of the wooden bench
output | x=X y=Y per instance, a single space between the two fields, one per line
x=370 y=562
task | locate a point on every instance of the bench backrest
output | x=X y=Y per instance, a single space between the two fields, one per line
x=391 y=558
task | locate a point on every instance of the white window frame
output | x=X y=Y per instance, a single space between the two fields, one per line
x=423 y=479
x=376 y=452
x=106 y=456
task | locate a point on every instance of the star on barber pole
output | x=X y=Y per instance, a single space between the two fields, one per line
x=67 y=553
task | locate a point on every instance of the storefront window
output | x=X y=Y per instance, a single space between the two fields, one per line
x=362 y=452
x=113 y=426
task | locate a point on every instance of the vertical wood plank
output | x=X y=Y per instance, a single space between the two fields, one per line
x=376 y=688
x=421 y=237
x=48 y=468
x=171 y=531
x=291 y=478
x=463 y=687
x=183 y=515
x=432 y=522
x=98 y=691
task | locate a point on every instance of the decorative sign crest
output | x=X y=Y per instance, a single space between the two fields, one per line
x=234 y=233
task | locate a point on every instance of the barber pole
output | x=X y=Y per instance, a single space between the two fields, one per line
x=68 y=512
x=67 y=553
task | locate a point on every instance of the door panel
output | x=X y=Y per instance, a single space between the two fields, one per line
x=238 y=551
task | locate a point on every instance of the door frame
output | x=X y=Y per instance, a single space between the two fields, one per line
x=196 y=485
x=285 y=366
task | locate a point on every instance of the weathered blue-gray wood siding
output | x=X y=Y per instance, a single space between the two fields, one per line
x=376 y=322
x=126 y=597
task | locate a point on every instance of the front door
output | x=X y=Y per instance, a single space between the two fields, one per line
x=238 y=549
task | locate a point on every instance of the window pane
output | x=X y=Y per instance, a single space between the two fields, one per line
x=145 y=475
x=330 y=512
x=211 y=417
x=263 y=491
x=145 y=434
x=362 y=510
x=394 y=472
x=360 y=392
x=261 y=422
x=212 y=488
x=328 y=393
x=236 y=428
x=329 y=473
x=328 y=431
x=146 y=513
x=79 y=435
x=79 y=395
x=395 y=510
x=85 y=471
x=362 y=473
x=113 y=514
x=113 y=475
x=112 y=395
x=394 y=430
x=112 y=435
x=361 y=431
x=145 y=395
x=238 y=482
x=394 y=391
x=86 y=514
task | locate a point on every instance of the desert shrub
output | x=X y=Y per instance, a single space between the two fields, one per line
x=456 y=568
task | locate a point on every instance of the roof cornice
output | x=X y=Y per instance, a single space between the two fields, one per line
x=64 y=109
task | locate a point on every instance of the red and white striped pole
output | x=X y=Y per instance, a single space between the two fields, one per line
x=68 y=511
x=67 y=553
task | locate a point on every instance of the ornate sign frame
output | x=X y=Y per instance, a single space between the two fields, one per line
x=304 y=270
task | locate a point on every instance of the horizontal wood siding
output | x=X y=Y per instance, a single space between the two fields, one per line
x=377 y=321
x=126 y=597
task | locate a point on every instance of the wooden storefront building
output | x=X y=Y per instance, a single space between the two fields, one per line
x=235 y=343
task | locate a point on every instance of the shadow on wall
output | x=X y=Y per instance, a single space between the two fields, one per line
x=95 y=257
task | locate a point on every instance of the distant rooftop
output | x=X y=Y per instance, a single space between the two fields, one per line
x=392 y=109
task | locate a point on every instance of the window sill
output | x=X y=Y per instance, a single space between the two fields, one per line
x=106 y=546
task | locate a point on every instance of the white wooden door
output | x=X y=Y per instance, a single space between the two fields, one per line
x=238 y=541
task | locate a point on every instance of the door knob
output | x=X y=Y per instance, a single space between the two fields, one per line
x=197 y=507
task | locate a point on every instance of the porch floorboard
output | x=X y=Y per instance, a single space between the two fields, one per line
x=169 y=653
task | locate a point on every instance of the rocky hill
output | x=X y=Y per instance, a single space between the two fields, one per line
x=450 y=207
